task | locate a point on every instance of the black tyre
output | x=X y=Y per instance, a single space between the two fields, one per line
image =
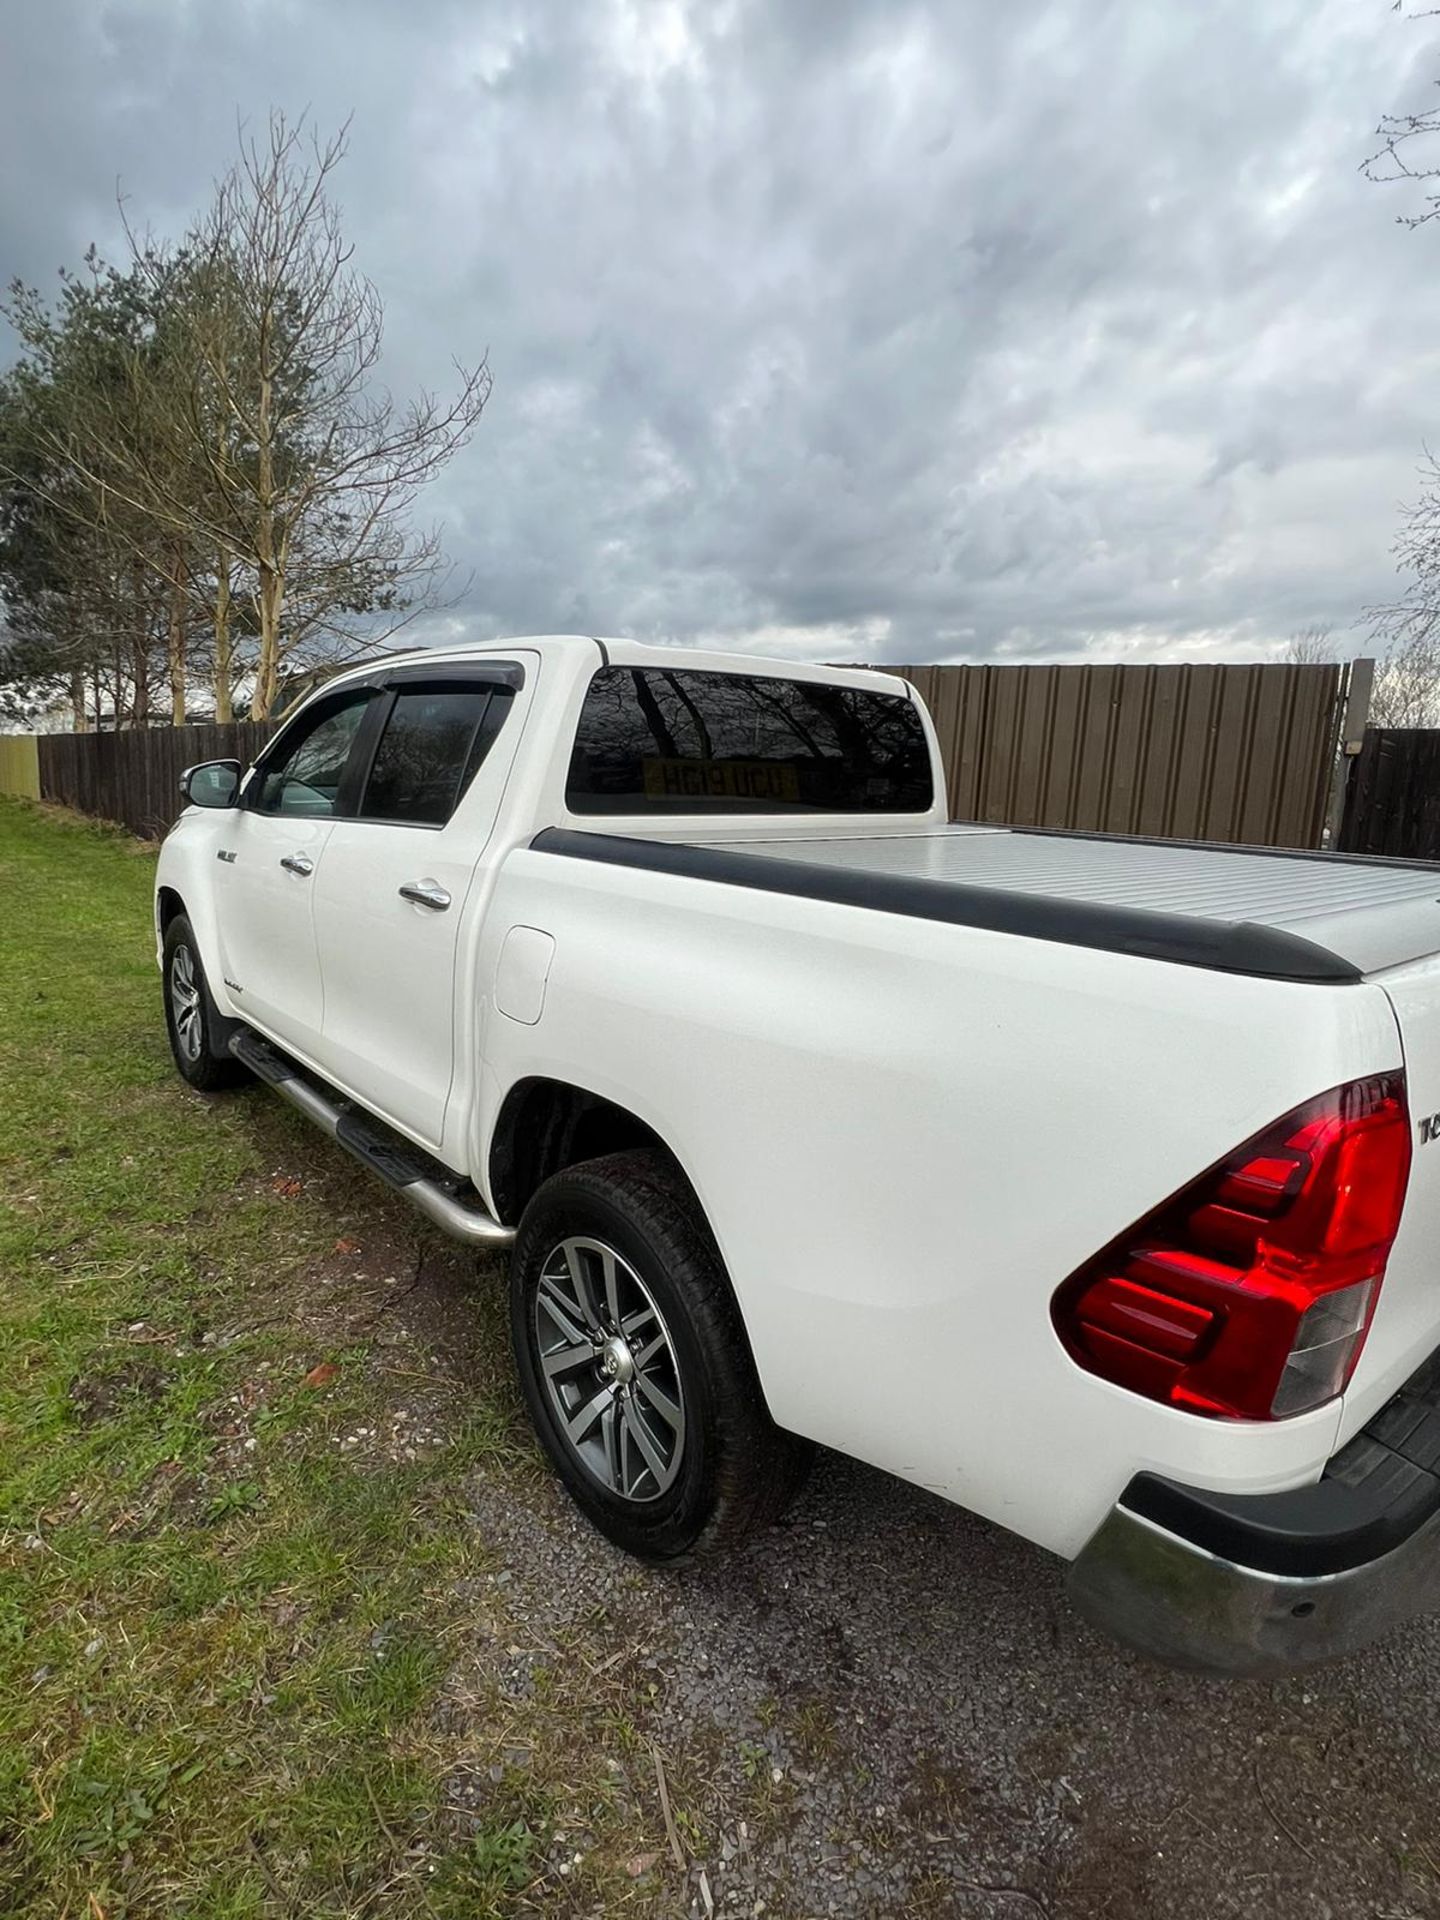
x=635 y=1366
x=198 y=1034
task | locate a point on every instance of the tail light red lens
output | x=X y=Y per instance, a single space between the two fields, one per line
x=1248 y=1295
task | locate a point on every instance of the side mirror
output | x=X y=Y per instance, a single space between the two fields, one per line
x=214 y=783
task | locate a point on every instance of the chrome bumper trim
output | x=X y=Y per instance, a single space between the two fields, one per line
x=1168 y=1598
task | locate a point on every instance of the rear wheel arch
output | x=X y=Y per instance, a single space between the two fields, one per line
x=545 y=1126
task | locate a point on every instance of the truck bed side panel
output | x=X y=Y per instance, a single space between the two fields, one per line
x=906 y=1134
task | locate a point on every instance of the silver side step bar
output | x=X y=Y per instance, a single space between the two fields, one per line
x=398 y=1164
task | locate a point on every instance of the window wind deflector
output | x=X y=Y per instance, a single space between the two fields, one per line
x=461 y=674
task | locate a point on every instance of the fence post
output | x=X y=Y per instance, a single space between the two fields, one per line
x=1354 y=713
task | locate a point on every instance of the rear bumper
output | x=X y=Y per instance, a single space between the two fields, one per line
x=1259 y=1584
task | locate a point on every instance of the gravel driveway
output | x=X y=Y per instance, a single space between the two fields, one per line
x=885 y=1707
x=927 y=1729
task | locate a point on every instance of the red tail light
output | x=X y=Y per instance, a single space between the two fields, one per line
x=1249 y=1295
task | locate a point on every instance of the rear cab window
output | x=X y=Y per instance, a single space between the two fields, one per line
x=433 y=741
x=665 y=740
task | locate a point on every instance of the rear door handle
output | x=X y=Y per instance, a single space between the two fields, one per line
x=300 y=863
x=426 y=893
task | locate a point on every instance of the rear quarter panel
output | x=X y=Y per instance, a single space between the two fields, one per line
x=906 y=1135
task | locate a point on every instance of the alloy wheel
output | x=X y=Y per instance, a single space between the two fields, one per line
x=185 y=1003
x=609 y=1369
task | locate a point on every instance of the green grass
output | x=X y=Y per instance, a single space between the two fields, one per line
x=225 y=1637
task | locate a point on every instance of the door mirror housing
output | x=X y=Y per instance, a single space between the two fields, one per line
x=213 y=783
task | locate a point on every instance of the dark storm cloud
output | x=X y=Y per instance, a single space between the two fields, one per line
x=841 y=326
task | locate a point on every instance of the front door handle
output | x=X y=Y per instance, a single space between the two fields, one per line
x=300 y=863
x=426 y=893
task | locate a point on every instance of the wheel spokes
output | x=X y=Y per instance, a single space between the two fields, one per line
x=580 y=1424
x=609 y=1369
x=567 y=1314
x=185 y=1003
x=565 y=1360
x=614 y=1451
x=644 y=1355
x=667 y=1409
x=609 y=1273
x=649 y=1452
x=580 y=1280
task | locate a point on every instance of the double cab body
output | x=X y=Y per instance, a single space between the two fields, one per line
x=1086 y=1182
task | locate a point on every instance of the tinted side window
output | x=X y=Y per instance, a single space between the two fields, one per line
x=435 y=740
x=662 y=740
x=305 y=775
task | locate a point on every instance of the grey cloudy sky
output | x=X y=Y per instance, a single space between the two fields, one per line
x=896 y=329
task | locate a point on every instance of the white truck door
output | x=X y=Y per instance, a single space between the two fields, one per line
x=268 y=864
x=392 y=892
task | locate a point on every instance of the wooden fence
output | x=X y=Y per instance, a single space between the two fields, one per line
x=1228 y=753
x=1234 y=753
x=1392 y=804
x=135 y=777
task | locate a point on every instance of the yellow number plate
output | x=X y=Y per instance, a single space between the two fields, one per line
x=755 y=780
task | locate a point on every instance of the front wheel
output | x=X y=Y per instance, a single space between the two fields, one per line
x=198 y=1033
x=635 y=1366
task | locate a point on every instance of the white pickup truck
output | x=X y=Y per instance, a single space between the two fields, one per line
x=1092 y=1183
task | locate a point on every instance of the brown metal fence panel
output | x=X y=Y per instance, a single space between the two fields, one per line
x=134 y=778
x=1232 y=753
x=1392 y=804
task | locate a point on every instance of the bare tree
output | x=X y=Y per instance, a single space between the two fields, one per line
x=1407 y=682
x=1406 y=687
x=312 y=469
x=1312 y=646
x=1407 y=679
x=239 y=441
x=1409 y=148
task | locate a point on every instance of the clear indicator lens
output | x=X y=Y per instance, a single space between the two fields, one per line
x=1325 y=1343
